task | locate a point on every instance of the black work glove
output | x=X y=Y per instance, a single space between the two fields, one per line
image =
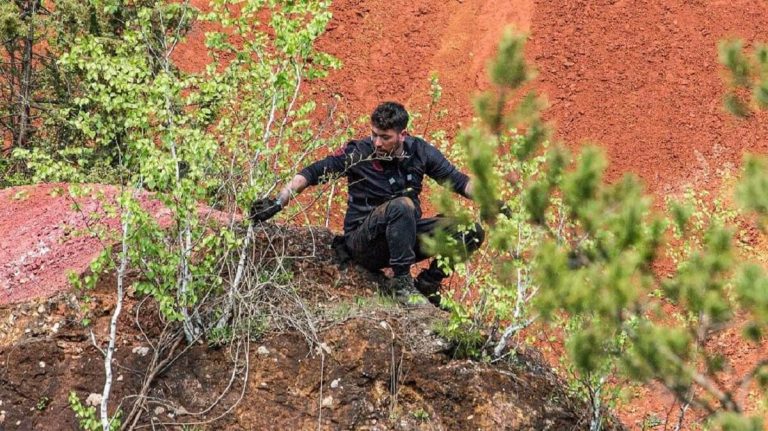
x=264 y=209
x=504 y=209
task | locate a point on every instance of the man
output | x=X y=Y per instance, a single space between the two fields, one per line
x=383 y=222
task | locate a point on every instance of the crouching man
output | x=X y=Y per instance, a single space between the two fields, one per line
x=383 y=223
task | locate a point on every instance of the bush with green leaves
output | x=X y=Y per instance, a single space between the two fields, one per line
x=748 y=77
x=37 y=93
x=585 y=250
x=220 y=136
x=502 y=152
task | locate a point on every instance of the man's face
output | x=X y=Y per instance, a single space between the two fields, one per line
x=387 y=142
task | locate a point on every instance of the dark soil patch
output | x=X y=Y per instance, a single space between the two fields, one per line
x=373 y=365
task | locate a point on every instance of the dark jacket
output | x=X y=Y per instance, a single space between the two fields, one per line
x=371 y=181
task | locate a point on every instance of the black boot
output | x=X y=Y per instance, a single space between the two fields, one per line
x=402 y=289
x=428 y=284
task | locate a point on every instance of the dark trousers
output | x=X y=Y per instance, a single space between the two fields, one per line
x=391 y=237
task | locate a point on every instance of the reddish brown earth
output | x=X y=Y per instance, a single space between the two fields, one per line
x=638 y=78
x=378 y=367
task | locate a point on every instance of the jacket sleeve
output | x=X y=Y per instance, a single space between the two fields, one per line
x=441 y=170
x=332 y=166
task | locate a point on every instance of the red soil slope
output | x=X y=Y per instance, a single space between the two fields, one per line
x=640 y=78
x=43 y=237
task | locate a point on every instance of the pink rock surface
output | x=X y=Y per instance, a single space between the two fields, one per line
x=43 y=237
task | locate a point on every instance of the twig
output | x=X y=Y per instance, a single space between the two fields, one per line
x=322 y=376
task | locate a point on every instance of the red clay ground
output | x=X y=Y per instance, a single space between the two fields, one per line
x=44 y=237
x=639 y=78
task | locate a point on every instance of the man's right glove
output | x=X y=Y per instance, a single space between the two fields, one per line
x=264 y=209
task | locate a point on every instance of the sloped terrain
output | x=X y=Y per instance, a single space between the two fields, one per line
x=369 y=365
x=638 y=78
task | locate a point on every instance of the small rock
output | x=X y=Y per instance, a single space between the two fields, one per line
x=141 y=351
x=120 y=378
x=325 y=348
x=93 y=399
x=262 y=351
x=470 y=417
x=335 y=384
x=41 y=309
x=18 y=423
x=181 y=411
x=328 y=401
x=384 y=324
x=159 y=410
x=56 y=327
x=42 y=364
x=263 y=384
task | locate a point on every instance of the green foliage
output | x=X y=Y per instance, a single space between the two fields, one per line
x=42 y=403
x=45 y=145
x=577 y=249
x=746 y=76
x=219 y=135
x=87 y=416
x=736 y=422
x=752 y=191
x=501 y=161
x=421 y=415
x=508 y=69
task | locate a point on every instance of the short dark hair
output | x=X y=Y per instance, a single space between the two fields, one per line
x=390 y=115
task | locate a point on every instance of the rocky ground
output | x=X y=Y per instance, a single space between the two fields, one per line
x=366 y=364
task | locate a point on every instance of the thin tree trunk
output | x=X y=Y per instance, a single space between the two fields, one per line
x=25 y=90
x=121 y=273
x=11 y=75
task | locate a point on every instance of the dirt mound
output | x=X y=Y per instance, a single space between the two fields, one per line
x=368 y=365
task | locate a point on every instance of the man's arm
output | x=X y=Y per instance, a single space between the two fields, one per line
x=468 y=189
x=291 y=189
x=319 y=171
x=444 y=172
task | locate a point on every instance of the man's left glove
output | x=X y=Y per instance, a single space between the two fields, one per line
x=264 y=209
x=504 y=209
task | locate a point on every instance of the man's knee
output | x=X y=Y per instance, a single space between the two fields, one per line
x=401 y=206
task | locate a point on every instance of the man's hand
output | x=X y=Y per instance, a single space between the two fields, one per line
x=504 y=209
x=264 y=209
